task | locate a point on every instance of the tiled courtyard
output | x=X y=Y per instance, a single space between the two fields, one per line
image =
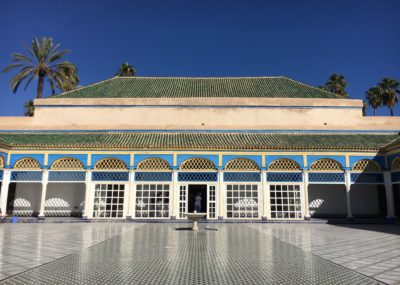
x=132 y=253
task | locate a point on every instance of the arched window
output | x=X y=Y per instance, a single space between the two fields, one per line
x=197 y=164
x=67 y=163
x=110 y=164
x=242 y=164
x=366 y=165
x=27 y=163
x=153 y=164
x=396 y=164
x=284 y=164
x=326 y=164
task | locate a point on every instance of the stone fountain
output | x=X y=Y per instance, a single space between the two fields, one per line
x=194 y=217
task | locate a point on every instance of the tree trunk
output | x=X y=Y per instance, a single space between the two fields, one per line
x=391 y=111
x=40 y=87
x=374 y=112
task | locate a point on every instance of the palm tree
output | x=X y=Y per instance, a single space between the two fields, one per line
x=374 y=97
x=336 y=84
x=390 y=91
x=126 y=70
x=41 y=62
x=71 y=80
x=29 y=108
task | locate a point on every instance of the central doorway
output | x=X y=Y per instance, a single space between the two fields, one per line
x=193 y=191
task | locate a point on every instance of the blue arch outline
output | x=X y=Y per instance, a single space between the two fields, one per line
x=341 y=159
x=378 y=159
x=18 y=156
x=83 y=158
x=256 y=158
x=297 y=158
x=97 y=157
x=182 y=157
x=140 y=157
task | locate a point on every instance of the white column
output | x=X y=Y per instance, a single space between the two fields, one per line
x=305 y=195
x=221 y=196
x=131 y=196
x=266 y=205
x=174 y=195
x=45 y=182
x=348 y=193
x=4 y=191
x=387 y=176
x=88 y=210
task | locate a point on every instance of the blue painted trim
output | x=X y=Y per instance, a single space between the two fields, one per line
x=83 y=158
x=256 y=158
x=153 y=176
x=15 y=157
x=1 y=174
x=73 y=176
x=394 y=132
x=242 y=176
x=200 y=106
x=312 y=158
x=26 y=176
x=182 y=157
x=297 y=158
x=140 y=157
x=97 y=157
x=378 y=159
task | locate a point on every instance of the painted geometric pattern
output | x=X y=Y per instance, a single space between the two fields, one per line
x=73 y=176
x=326 y=164
x=197 y=176
x=284 y=165
x=153 y=164
x=27 y=163
x=366 y=165
x=366 y=178
x=242 y=176
x=153 y=176
x=197 y=164
x=396 y=176
x=396 y=164
x=110 y=176
x=241 y=164
x=67 y=163
x=111 y=163
x=325 y=177
x=284 y=176
x=26 y=176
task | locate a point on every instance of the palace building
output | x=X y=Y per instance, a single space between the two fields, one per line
x=256 y=148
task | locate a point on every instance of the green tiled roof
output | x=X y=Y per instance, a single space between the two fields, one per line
x=186 y=87
x=197 y=141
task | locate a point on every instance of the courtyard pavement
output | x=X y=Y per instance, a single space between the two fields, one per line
x=139 y=253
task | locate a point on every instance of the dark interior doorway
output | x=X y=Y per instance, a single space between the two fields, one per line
x=193 y=191
x=396 y=199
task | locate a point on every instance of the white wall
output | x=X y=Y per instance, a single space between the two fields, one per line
x=27 y=199
x=327 y=200
x=364 y=200
x=64 y=199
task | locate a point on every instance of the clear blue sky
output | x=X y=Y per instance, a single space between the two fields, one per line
x=306 y=40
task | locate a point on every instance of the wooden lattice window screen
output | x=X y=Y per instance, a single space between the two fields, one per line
x=326 y=164
x=197 y=164
x=366 y=165
x=396 y=164
x=67 y=163
x=153 y=164
x=1 y=163
x=110 y=164
x=241 y=164
x=284 y=165
x=27 y=163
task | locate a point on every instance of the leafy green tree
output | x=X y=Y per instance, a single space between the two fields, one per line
x=337 y=84
x=41 y=62
x=29 y=108
x=374 y=97
x=390 y=91
x=126 y=70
